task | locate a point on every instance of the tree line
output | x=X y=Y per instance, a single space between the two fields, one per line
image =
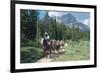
x=33 y=28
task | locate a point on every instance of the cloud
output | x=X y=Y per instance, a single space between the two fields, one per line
x=52 y=13
x=86 y=22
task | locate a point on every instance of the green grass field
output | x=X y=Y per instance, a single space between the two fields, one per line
x=74 y=51
x=30 y=54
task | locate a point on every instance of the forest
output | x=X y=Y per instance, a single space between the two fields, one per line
x=33 y=29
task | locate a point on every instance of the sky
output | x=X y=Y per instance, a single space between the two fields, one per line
x=42 y=13
x=83 y=17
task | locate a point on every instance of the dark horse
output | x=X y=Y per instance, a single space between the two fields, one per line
x=47 y=47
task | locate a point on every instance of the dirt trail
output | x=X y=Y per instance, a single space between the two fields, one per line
x=44 y=60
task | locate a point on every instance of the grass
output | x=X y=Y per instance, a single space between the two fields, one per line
x=30 y=54
x=75 y=51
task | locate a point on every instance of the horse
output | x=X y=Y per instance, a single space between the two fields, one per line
x=62 y=44
x=57 y=47
x=46 y=47
x=52 y=47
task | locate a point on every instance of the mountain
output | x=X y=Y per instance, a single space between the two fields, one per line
x=69 y=20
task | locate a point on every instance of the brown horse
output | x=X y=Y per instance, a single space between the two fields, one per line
x=47 y=48
x=57 y=47
x=52 y=47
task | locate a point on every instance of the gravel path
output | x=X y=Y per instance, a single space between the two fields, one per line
x=44 y=60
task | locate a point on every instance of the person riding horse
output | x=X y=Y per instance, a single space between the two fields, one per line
x=47 y=37
x=46 y=43
x=51 y=47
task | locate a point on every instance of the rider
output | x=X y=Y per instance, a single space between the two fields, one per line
x=47 y=37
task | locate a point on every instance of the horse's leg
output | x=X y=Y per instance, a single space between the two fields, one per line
x=45 y=52
x=50 y=53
